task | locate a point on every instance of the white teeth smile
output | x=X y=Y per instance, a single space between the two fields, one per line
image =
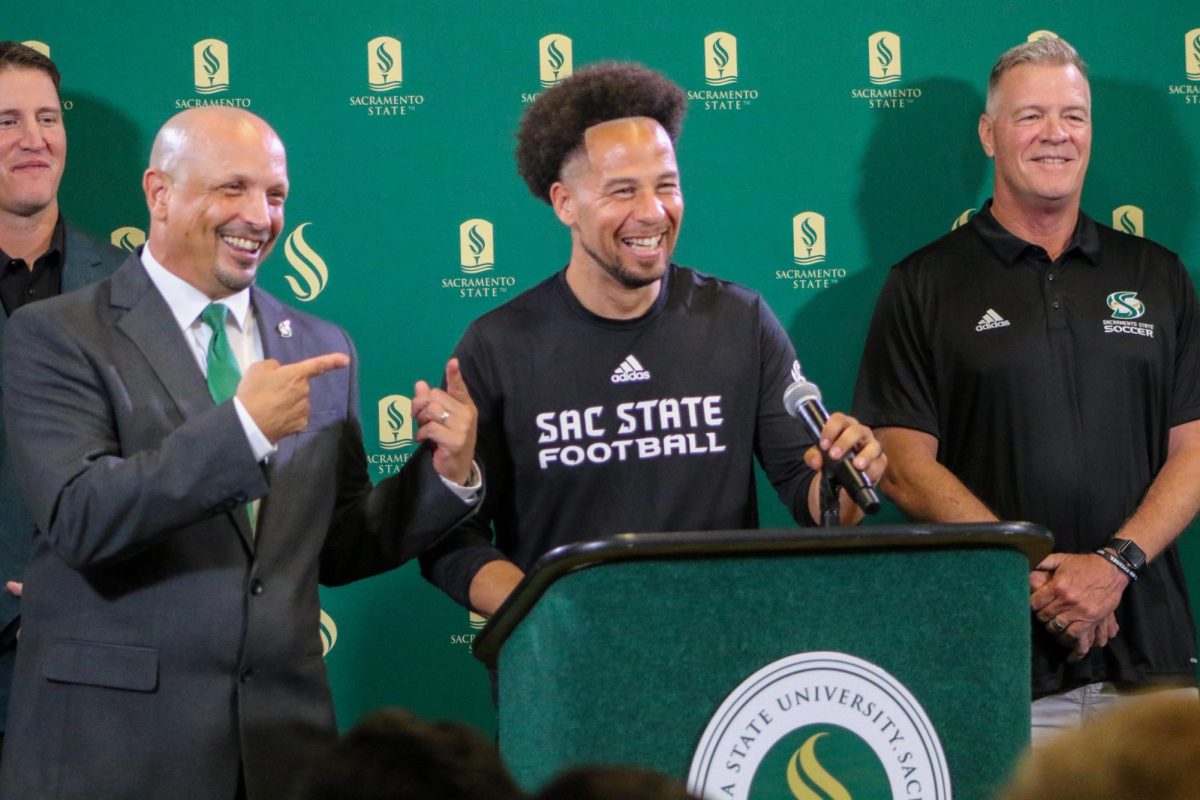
x=1051 y=160
x=243 y=244
x=644 y=243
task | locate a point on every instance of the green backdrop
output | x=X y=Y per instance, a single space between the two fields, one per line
x=798 y=109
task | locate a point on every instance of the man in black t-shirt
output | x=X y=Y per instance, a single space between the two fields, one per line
x=624 y=393
x=1036 y=365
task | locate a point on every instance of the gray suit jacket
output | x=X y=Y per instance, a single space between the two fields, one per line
x=87 y=261
x=163 y=645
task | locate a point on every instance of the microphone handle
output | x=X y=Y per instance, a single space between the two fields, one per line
x=842 y=470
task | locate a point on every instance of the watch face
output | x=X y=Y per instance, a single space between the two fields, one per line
x=1130 y=552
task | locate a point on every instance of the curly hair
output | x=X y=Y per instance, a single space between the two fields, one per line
x=16 y=55
x=553 y=126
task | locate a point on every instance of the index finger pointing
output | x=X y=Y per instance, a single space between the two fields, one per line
x=312 y=367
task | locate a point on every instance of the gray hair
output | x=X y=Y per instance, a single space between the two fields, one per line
x=1050 y=50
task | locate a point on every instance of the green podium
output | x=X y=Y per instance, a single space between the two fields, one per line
x=838 y=662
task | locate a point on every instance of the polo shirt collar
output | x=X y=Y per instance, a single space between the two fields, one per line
x=1010 y=249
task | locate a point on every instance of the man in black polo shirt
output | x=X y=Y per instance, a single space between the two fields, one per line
x=1036 y=365
x=40 y=256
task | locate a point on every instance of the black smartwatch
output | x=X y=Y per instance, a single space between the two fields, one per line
x=1128 y=552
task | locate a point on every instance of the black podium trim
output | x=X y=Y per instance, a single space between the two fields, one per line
x=1032 y=541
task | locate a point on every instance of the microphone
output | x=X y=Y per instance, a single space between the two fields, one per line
x=803 y=400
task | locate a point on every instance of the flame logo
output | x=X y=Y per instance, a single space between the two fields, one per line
x=808 y=238
x=557 y=63
x=210 y=66
x=809 y=234
x=329 y=633
x=395 y=419
x=395 y=422
x=476 y=243
x=555 y=57
x=1127 y=224
x=720 y=59
x=128 y=238
x=476 y=621
x=1129 y=218
x=385 y=65
x=883 y=54
x=385 y=62
x=310 y=266
x=720 y=54
x=803 y=769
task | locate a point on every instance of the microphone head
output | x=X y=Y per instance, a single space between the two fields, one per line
x=797 y=393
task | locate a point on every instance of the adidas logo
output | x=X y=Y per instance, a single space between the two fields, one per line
x=991 y=320
x=630 y=370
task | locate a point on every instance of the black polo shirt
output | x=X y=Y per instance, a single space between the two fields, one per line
x=1051 y=387
x=20 y=285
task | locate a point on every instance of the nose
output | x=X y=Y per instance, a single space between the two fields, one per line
x=31 y=137
x=649 y=208
x=1054 y=130
x=255 y=209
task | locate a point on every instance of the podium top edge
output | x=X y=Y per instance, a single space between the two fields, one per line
x=1032 y=541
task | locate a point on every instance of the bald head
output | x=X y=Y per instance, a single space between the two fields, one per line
x=190 y=132
x=215 y=188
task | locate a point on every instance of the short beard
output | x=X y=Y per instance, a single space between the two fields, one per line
x=618 y=273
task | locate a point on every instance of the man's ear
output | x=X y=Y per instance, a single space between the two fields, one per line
x=157 y=186
x=562 y=200
x=985 y=135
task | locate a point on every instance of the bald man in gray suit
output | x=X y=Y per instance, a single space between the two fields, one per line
x=171 y=645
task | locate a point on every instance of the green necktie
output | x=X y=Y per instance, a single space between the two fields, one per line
x=223 y=372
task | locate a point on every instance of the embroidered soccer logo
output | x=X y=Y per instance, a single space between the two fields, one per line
x=1125 y=305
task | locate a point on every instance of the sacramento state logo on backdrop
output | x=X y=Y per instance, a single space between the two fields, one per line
x=1189 y=91
x=211 y=77
x=808 y=238
x=311 y=273
x=720 y=59
x=210 y=60
x=476 y=256
x=385 y=64
x=395 y=422
x=883 y=58
x=1130 y=219
x=884 y=71
x=808 y=251
x=721 y=70
x=787 y=733
x=395 y=435
x=476 y=246
x=385 y=75
x=128 y=238
x=1042 y=34
x=556 y=59
x=41 y=47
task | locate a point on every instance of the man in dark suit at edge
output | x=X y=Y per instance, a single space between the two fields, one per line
x=170 y=645
x=41 y=256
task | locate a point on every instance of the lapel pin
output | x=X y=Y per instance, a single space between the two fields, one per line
x=285 y=329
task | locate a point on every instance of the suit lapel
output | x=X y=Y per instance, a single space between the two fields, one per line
x=79 y=268
x=150 y=325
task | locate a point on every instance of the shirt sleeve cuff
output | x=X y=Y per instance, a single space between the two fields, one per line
x=259 y=443
x=469 y=494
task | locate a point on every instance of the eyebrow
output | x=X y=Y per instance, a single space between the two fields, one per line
x=621 y=181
